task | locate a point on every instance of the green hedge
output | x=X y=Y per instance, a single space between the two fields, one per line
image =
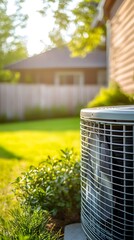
x=37 y=113
x=111 y=96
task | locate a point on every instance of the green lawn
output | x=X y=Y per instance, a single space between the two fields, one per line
x=27 y=143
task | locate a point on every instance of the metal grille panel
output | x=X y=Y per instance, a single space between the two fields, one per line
x=107 y=179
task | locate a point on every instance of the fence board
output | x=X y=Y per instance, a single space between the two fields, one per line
x=16 y=98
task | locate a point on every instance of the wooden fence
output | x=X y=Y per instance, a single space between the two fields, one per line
x=16 y=98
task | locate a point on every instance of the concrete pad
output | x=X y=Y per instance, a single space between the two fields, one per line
x=74 y=232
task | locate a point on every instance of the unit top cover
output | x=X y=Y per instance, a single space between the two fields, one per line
x=122 y=113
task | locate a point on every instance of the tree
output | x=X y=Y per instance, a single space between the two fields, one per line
x=73 y=25
x=12 y=47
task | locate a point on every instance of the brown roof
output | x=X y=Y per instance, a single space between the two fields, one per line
x=60 y=58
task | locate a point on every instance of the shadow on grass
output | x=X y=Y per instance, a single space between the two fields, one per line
x=66 y=124
x=4 y=153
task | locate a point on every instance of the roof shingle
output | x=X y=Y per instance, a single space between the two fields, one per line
x=61 y=58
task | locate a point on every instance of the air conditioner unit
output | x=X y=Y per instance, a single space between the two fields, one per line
x=107 y=173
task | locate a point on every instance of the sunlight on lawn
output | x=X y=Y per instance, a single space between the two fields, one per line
x=20 y=148
x=31 y=146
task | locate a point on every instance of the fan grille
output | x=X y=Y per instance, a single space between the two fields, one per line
x=107 y=179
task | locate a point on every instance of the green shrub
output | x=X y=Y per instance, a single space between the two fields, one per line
x=25 y=224
x=54 y=186
x=3 y=118
x=40 y=113
x=36 y=113
x=7 y=76
x=111 y=96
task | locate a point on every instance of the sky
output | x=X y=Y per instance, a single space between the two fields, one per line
x=38 y=27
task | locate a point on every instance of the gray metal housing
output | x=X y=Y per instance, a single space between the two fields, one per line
x=107 y=173
x=124 y=113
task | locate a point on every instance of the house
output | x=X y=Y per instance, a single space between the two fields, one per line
x=119 y=15
x=57 y=81
x=57 y=67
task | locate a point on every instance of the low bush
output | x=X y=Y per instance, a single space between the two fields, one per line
x=25 y=224
x=54 y=186
x=3 y=118
x=36 y=113
x=111 y=96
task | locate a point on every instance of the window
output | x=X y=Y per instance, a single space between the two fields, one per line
x=69 y=78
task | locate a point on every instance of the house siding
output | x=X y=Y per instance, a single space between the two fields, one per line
x=47 y=76
x=122 y=44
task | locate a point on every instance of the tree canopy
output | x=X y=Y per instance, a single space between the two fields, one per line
x=12 y=47
x=73 y=25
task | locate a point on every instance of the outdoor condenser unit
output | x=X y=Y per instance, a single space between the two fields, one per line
x=107 y=173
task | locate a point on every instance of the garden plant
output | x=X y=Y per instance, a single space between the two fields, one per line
x=53 y=186
x=25 y=224
x=111 y=96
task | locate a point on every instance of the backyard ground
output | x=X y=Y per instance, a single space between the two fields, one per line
x=28 y=143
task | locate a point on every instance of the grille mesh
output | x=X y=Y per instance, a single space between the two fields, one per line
x=107 y=179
